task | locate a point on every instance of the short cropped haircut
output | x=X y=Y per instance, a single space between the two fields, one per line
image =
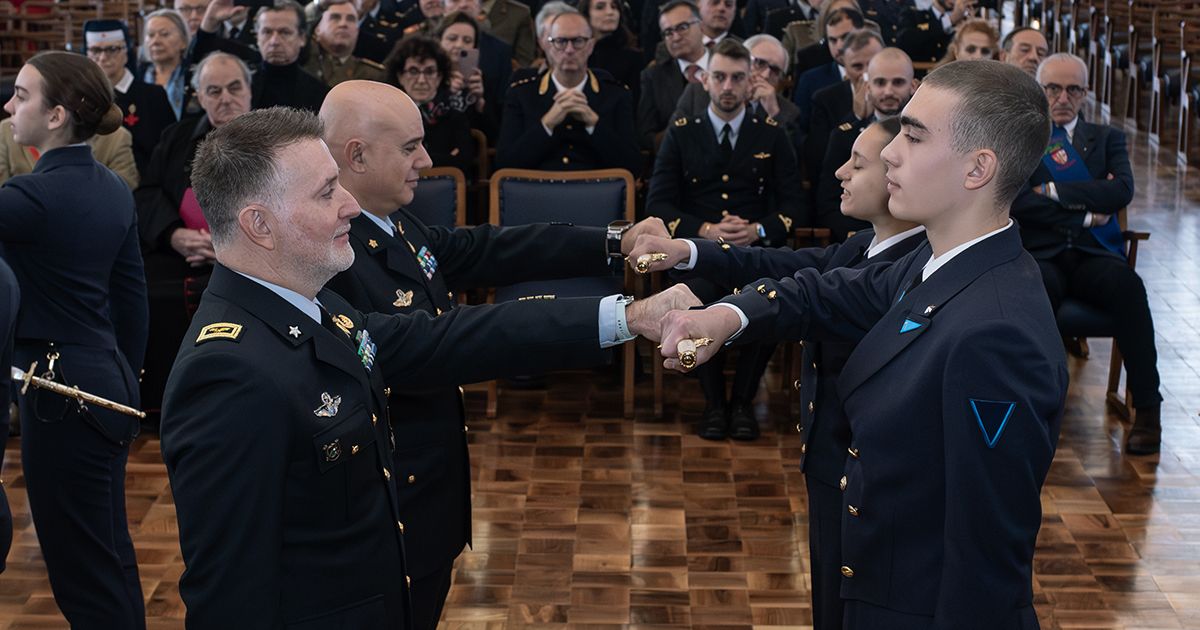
x=1007 y=44
x=999 y=108
x=860 y=39
x=732 y=50
x=763 y=38
x=285 y=5
x=674 y=4
x=238 y=164
x=214 y=56
x=1064 y=57
x=836 y=16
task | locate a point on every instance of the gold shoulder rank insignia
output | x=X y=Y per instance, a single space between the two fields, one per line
x=844 y=126
x=219 y=330
x=372 y=243
x=344 y=323
x=772 y=122
x=679 y=122
x=923 y=27
x=371 y=64
x=761 y=156
x=787 y=223
x=672 y=226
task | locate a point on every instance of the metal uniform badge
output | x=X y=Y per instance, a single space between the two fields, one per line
x=403 y=298
x=345 y=324
x=329 y=406
x=333 y=450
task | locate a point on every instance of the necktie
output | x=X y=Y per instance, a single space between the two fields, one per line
x=692 y=73
x=726 y=143
x=710 y=44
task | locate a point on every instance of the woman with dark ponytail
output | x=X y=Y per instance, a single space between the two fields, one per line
x=68 y=230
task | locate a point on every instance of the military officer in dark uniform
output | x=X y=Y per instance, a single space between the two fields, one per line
x=926 y=33
x=333 y=40
x=568 y=117
x=434 y=472
x=955 y=391
x=276 y=431
x=10 y=300
x=888 y=14
x=732 y=176
x=379 y=29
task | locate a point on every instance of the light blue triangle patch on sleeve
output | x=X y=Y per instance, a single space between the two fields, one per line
x=992 y=416
x=909 y=326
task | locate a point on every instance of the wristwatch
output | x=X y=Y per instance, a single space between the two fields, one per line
x=623 y=332
x=612 y=242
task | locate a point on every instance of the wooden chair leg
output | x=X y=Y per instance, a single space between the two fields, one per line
x=492 y=395
x=1112 y=396
x=628 y=352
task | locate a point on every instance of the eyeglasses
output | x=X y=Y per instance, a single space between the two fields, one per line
x=678 y=29
x=1053 y=90
x=233 y=89
x=763 y=64
x=100 y=51
x=429 y=73
x=971 y=49
x=560 y=43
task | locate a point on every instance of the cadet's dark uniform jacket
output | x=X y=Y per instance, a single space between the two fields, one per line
x=524 y=142
x=888 y=14
x=278 y=444
x=691 y=185
x=146 y=112
x=378 y=34
x=828 y=208
x=955 y=396
x=923 y=36
x=434 y=491
x=10 y=298
x=333 y=71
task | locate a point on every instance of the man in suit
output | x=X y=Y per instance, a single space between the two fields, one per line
x=925 y=33
x=10 y=300
x=568 y=117
x=1068 y=215
x=507 y=20
x=955 y=392
x=279 y=78
x=889 y=87
x=435 y=496
x=333 y=41
x=313 y=533
x=727 y=176
x=716 y=21
x=837 y=25
x=1024 y=47
x=663 y=83
x=837 y=102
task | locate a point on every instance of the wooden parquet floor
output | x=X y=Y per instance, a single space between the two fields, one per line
x=583 y=519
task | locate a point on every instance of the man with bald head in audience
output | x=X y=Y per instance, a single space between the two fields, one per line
x=365 y=122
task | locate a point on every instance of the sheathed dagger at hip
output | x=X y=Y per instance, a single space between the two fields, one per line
x=27 y=378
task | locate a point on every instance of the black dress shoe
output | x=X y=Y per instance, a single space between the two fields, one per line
x=742 y=424
x=1145 y=437
x=714 y=425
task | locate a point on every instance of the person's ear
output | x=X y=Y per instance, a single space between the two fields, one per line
x=984 y=168
x=58 y=117
x=354 y=156
x=253 y=221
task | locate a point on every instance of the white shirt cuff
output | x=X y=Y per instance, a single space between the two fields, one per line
x=741 y=316
x=614 y=330
x=1052 y=191
x=1089 y=219
x=690 y=263
x=590 y=129
x=549 y=131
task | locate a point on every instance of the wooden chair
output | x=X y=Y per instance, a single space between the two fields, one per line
x=1113 y=40
x=1139 y=56
x=1167 y=44
x=1080 y=320
x=441 y=197
x=1189 y=87
x=483 y=170
x=595 y=198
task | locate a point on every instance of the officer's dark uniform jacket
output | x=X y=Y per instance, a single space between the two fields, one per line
x=278 y=444
x=524 y=142
x=922 y=35
x=692 y=185
x=955 y=395
x=432 y=464
x=378 y=34
x=10 y=297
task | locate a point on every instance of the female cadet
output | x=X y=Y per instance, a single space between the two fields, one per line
x=68 y=230
x=824 y=429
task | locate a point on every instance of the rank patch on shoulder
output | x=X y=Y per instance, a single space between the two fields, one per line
x=992 y=416
x=428 y=263
x=219 y=330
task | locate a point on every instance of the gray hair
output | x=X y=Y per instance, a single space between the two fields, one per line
x=551 y=9
x=285 y=5
x=237 y=164
x=214 y=56
x=176 y=19
x=999 y=108
x=1063 y=57
x=762 y=38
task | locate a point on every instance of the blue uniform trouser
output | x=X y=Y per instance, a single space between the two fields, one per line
x=825 y=552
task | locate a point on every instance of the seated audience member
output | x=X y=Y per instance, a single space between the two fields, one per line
x=541 y=26
x=176 y=244
x=663 y=83
x=925 y=33
x=975 y=39
x=281 y=32
x=1068 y=218
x=460 y=33
x=379 y=29
x=819 y=52
x=192 y=12
x=716 y=18
x=768 y=67
x=165 y=43
x=755 y=17
x=836 y=25
x=507 y=20
x=727 y=175
x=333 y=41
x=114 y=150
x=890 y=85
x=826 y=434
x=421 y=68
x=1025 y=48
x=239 y=28
x=616 y=47
x=145 y=109
x=888 y=14
x=568 y=118
x=835 y=103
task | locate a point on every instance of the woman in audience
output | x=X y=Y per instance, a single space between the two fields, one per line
x=975 y=39
x=458 y=34
x=114 y=150
x=420 y=67
x=164 y=47
x=615 y=49
x=69 y=231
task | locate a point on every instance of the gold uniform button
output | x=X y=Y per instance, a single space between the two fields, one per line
x=354 y=450
x=847 y=571
x=439 y=311
x=771 y=295
x=373 y=419
x=842 y=483
x=852 y=510
x=450 y=295
x=799 y=429
x=811 y=406
x=796 y=384
x=466 y=428
x=724 y=178
x=412 y=479
x=853 y=452
x=387 y=474
x=387 y=391
x=725 y=196
x=566 y=160
x=803 y=448
x=400 y=526
x=408 y=581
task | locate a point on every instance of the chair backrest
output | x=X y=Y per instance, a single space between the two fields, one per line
x=441 y=197
x=585 y=198
x=482 y=158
